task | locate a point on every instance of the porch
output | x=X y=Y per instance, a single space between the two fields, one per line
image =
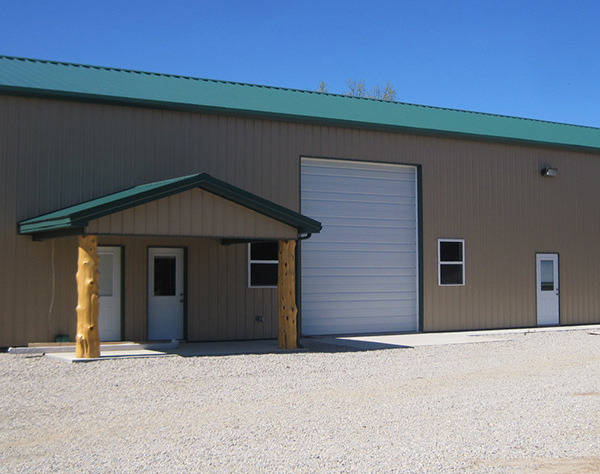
x=175 y=213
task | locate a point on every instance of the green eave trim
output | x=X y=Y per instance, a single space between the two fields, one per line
x=78 y=216
x=51 y=79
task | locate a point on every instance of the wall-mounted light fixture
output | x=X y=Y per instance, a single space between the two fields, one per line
x=549 y=172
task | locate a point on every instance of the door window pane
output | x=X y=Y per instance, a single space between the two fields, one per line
x=547 y=275
x=164 y=276
x=105 y=280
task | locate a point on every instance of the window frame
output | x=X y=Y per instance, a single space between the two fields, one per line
x=252 y=262
x=453 y=263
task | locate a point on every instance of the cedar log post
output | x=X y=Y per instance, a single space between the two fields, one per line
x=286 y=294
x=87 y=341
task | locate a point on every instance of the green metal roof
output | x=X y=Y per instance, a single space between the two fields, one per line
x=76 y=217
x=80 y=82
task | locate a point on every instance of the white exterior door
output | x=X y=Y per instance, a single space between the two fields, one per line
x=165 y=293
x=548 y=303
x=360 y=273
x=109 y=288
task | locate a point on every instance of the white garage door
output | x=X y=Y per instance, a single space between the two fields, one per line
x=359 y=275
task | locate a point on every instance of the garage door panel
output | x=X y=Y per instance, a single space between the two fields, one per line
x=340 y=170
x=361 y=210
x=330 y=187
x=360 y=273
x=326 y=254
x=366 y=234
x=357 y=283
x=324 y=247
x=356 y=191
x=368 y=223
x=343 y=325
x=342 y=270
x=336 y=189
x=354 y=317
x=321 y=270
x=347 y=269
x=360 y=301
x=360 y=309
x=360 y=258
x=356 y=196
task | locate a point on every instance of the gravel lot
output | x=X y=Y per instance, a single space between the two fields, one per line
x=530 y=404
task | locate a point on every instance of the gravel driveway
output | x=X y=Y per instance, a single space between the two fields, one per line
x=528 y=404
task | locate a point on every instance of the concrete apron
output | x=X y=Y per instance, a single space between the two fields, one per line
x=367 y=342
x=374 y=342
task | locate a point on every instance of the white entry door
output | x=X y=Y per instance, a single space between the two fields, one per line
x=547 y=289
x=109 y=288
x=165 y=293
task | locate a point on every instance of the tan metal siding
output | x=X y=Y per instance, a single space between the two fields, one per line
x=54 y=154
x=506 y=212
x=192 y=213
x=219 y=304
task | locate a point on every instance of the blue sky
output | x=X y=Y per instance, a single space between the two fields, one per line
x=535 y=59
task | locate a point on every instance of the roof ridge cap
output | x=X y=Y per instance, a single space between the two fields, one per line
x=289 y=89
x=150 y=73
x=105 y=68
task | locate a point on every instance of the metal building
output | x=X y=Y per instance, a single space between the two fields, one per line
x=432 y=219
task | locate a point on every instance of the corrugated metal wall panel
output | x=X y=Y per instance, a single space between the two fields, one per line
x=219 y=304
x=192 y=213
x=54 y=154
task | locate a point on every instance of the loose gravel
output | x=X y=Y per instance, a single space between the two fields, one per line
x=529 y=404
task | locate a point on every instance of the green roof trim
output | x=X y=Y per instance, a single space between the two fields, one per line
x=91 y=83
x=78 y=216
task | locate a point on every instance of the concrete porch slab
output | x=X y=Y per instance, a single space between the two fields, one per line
x=66 y=347
x=183 y=349
x=114 y=354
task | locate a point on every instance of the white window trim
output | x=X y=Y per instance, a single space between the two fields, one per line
x=461 y=262
x=250 y=262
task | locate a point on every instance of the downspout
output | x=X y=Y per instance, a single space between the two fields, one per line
x=299 y=285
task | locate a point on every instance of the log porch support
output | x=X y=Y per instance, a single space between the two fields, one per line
x=286 y=295
x=87 y=341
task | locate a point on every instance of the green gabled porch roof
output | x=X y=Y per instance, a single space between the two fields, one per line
x=59 y=80
x=75 y=218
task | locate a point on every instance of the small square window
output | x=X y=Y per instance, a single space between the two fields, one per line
x=263 y=264
x=451 y=261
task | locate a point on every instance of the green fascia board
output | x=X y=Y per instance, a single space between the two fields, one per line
x=79 y=215
x=91 y=83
